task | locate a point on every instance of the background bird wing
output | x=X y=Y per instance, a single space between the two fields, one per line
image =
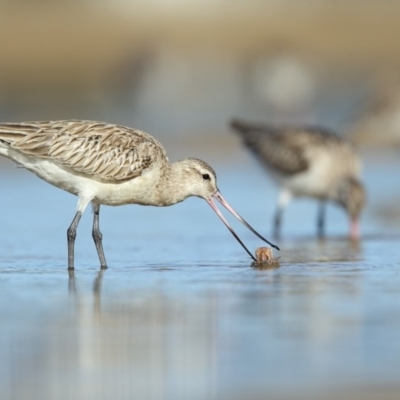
x=105 y=151
x=282 y=150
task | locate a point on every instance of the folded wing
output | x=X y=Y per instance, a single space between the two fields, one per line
x=108 y=152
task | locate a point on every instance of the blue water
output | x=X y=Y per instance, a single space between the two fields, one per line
x=180 y=313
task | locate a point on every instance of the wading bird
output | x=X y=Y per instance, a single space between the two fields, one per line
x=109 y=164
x=308 y=161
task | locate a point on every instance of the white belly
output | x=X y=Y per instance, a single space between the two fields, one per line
x=309 y=183
x=321 y=179
x=139 y=190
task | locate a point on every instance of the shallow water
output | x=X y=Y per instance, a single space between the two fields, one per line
x=181 y=314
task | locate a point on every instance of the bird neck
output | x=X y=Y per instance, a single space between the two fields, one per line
x=351 y=194
x=173 y=185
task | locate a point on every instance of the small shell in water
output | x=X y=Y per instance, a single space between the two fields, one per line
x=265 y=259
x=264 y=254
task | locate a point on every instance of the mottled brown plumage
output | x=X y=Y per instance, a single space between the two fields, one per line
x=285 y=149
x=103 y=151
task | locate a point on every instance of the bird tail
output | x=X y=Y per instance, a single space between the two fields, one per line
x=10 y=133
x=245 y=127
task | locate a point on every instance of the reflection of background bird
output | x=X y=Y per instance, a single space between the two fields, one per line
x=308 y=161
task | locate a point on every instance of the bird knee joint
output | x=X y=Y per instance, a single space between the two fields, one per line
x=97 y=235
x=71 y=234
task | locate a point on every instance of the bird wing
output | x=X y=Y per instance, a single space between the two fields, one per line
x=281 y=150
x=105 y=151
x=287 y=149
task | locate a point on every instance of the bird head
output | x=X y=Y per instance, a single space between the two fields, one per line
x=351 y=196
x=199 y=179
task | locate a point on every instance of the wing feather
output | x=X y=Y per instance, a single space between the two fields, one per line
x=285 y=148
x=105 y=151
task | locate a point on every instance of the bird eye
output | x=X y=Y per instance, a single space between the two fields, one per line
x=206 y=177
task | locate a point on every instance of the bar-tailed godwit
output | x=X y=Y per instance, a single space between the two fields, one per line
x=308 y=161
x=109 y=164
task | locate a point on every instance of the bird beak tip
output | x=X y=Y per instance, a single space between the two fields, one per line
x=354 y=229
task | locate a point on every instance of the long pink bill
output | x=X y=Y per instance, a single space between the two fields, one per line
x=219 y=197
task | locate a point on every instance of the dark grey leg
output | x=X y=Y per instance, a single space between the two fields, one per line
x=321 y=219
x=71 y=235
x=277 y=223
x=97 y=236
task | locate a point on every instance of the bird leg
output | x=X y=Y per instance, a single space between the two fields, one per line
x=285 y=196
x=277 y=223
x=321 y=219
x=71 y=235
x=97 y=236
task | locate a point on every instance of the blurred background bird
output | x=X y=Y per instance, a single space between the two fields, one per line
x=308 y=161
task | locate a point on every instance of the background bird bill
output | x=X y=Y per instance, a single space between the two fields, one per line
x=218 y=196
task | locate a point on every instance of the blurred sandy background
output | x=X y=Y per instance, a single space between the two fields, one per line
x=183 y=68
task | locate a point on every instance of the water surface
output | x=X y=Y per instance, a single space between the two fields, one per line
x=181 y=314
